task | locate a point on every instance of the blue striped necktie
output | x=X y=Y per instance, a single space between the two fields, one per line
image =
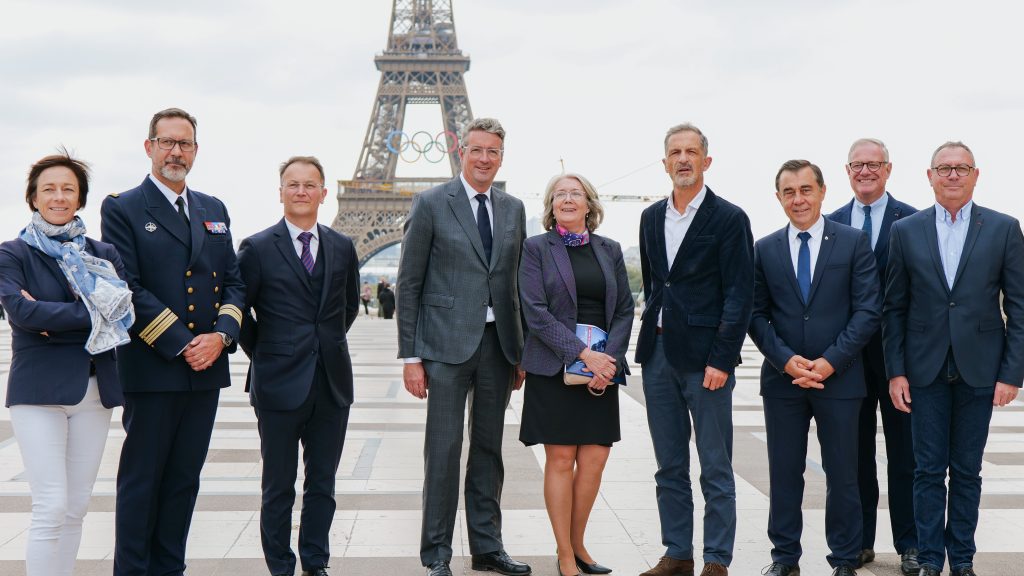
x=307 y=256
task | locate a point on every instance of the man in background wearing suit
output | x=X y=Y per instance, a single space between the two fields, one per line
x=176 y=246
x=460 y=335
x=948 y=347
x=697 y=264
x=874 y=210
x=817 y=303
x=302 y=281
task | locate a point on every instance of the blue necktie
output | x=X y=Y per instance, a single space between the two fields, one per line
x=867 y=224
x=307 y=256
x=803 y=266
x=483 y=224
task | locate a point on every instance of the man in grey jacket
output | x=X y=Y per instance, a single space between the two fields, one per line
x=460 y=336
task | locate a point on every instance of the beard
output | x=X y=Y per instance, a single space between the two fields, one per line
x=684 y=181
x=174 y=172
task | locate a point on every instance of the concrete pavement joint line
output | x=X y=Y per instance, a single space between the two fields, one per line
x=364 y=464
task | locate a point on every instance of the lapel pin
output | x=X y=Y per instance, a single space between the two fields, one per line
x=826 y=237
x=150 y=227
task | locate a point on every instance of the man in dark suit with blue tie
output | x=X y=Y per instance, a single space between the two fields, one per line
x=176 y=246
x=696 y=257
x=874 y=210
x=948 y=346
x=816 y=305
x=302 y=282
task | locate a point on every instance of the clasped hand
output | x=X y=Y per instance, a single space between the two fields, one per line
x=601 y=365
x=809 y=373
x=203 y=351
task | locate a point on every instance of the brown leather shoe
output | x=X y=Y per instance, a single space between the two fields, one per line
x=714 y=569
x=671 y=567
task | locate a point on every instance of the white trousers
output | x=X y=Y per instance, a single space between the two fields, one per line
x=61 y=447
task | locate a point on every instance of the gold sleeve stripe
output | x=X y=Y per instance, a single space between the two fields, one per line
x=158 y=326
x=232 y=311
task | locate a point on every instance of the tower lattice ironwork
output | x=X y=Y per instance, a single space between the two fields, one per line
x=421 y=65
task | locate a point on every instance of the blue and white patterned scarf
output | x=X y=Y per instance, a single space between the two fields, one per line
x=107 y=298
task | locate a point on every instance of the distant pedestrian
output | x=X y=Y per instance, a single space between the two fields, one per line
x=386 y=302
x=365 y=296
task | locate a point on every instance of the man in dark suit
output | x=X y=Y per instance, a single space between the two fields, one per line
x=177 y=251
x=874 y=210
x=302 y=281
x=697 y=264
x=816 y=305
x=948 y=346
x=459 y=331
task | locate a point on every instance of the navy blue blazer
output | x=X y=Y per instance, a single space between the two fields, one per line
x=292 y=325
x=843 y=310
x=179 y=292
x=894 y=210
x=924 y=318
x=706 y=293
x=547 y=289
x=51 y=369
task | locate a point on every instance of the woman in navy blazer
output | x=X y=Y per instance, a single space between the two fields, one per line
x=60 y=395
x=571 y=275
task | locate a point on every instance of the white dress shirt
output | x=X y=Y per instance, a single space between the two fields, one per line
x=813 y=243
x=952 y=236
x=676 y=226
x=314 y=242
x=877 y=214
x=171 y=195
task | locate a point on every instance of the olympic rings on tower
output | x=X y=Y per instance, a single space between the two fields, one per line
x=420 y=146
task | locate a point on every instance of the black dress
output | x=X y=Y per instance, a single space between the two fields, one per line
x=554 y=413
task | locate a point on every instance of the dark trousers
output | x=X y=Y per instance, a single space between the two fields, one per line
x=787 y=421
x=167 y=437
x=486 y=381
x=319 y=424
x=899 y=450
x=950 y=421
x=673 y=399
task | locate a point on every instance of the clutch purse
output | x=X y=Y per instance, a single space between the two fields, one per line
x=595 y=339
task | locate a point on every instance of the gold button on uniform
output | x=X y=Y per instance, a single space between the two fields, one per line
x=216 y=305
x=190 y=290
x=214 y=274
x=216 y=288
x=188 y=273
x=191 y=325
x=191 y=307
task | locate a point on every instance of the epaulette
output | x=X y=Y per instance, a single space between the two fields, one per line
x=114 y=194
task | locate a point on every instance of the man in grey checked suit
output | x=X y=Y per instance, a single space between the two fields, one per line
x=460 y=335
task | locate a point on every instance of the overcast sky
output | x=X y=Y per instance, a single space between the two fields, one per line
x=593 y=82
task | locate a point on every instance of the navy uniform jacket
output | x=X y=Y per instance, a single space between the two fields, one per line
x=178 y=293
x=51 y=369
x=294 y=326
x=706 y=293
x=844 y=309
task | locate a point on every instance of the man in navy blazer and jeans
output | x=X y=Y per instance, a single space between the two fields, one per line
x=302 y=280
x=816 y=305
x=697 y=261
x=874 y=210
x=948 y=346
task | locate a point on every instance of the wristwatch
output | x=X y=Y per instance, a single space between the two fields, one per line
x=227 y=340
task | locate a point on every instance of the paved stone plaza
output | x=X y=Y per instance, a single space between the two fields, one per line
x=376 y=528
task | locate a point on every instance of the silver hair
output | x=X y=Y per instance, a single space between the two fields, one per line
x=687 y=127
x=951 y=144
x=594 y=208
x=489 y=125
x=875 y=141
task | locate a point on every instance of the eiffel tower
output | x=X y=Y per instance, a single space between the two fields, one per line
x=421 y=65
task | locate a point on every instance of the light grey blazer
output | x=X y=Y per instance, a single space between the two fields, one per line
x=445 y=282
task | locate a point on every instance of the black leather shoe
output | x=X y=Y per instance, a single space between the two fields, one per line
x=908 y=562
x=322 y=571
x=928 y=571
x=777 y=569
x=558 y=568
x=594 y=568
x=439 y=568
x=501 y=563
x=844 y=571
x=866 y=556
x=968 y=571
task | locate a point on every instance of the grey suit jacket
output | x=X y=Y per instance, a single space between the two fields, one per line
x=548 y=291
x=445 y=282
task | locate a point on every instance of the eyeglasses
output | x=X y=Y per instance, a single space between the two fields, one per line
x=871 y=166
x=293 y=186
x=479 y=151
x=574 y=194
x=961 y=170
x=169 y=143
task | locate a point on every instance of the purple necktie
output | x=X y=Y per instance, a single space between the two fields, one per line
x=307 y=256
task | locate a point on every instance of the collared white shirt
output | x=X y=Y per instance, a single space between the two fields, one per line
x=877 y=214
x=314 y=242
x=952 y=236
x=171 y=195
x=473 y=204
x=676 y=226
x=817 y=230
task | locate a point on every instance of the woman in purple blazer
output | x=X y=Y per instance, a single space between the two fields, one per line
x=570 y=275
x=68 y=307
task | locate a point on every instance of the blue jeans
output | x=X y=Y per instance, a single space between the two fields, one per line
x=672 y=400
x=950 y=428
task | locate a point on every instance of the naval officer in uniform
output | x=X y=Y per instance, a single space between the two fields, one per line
x=181 y=266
